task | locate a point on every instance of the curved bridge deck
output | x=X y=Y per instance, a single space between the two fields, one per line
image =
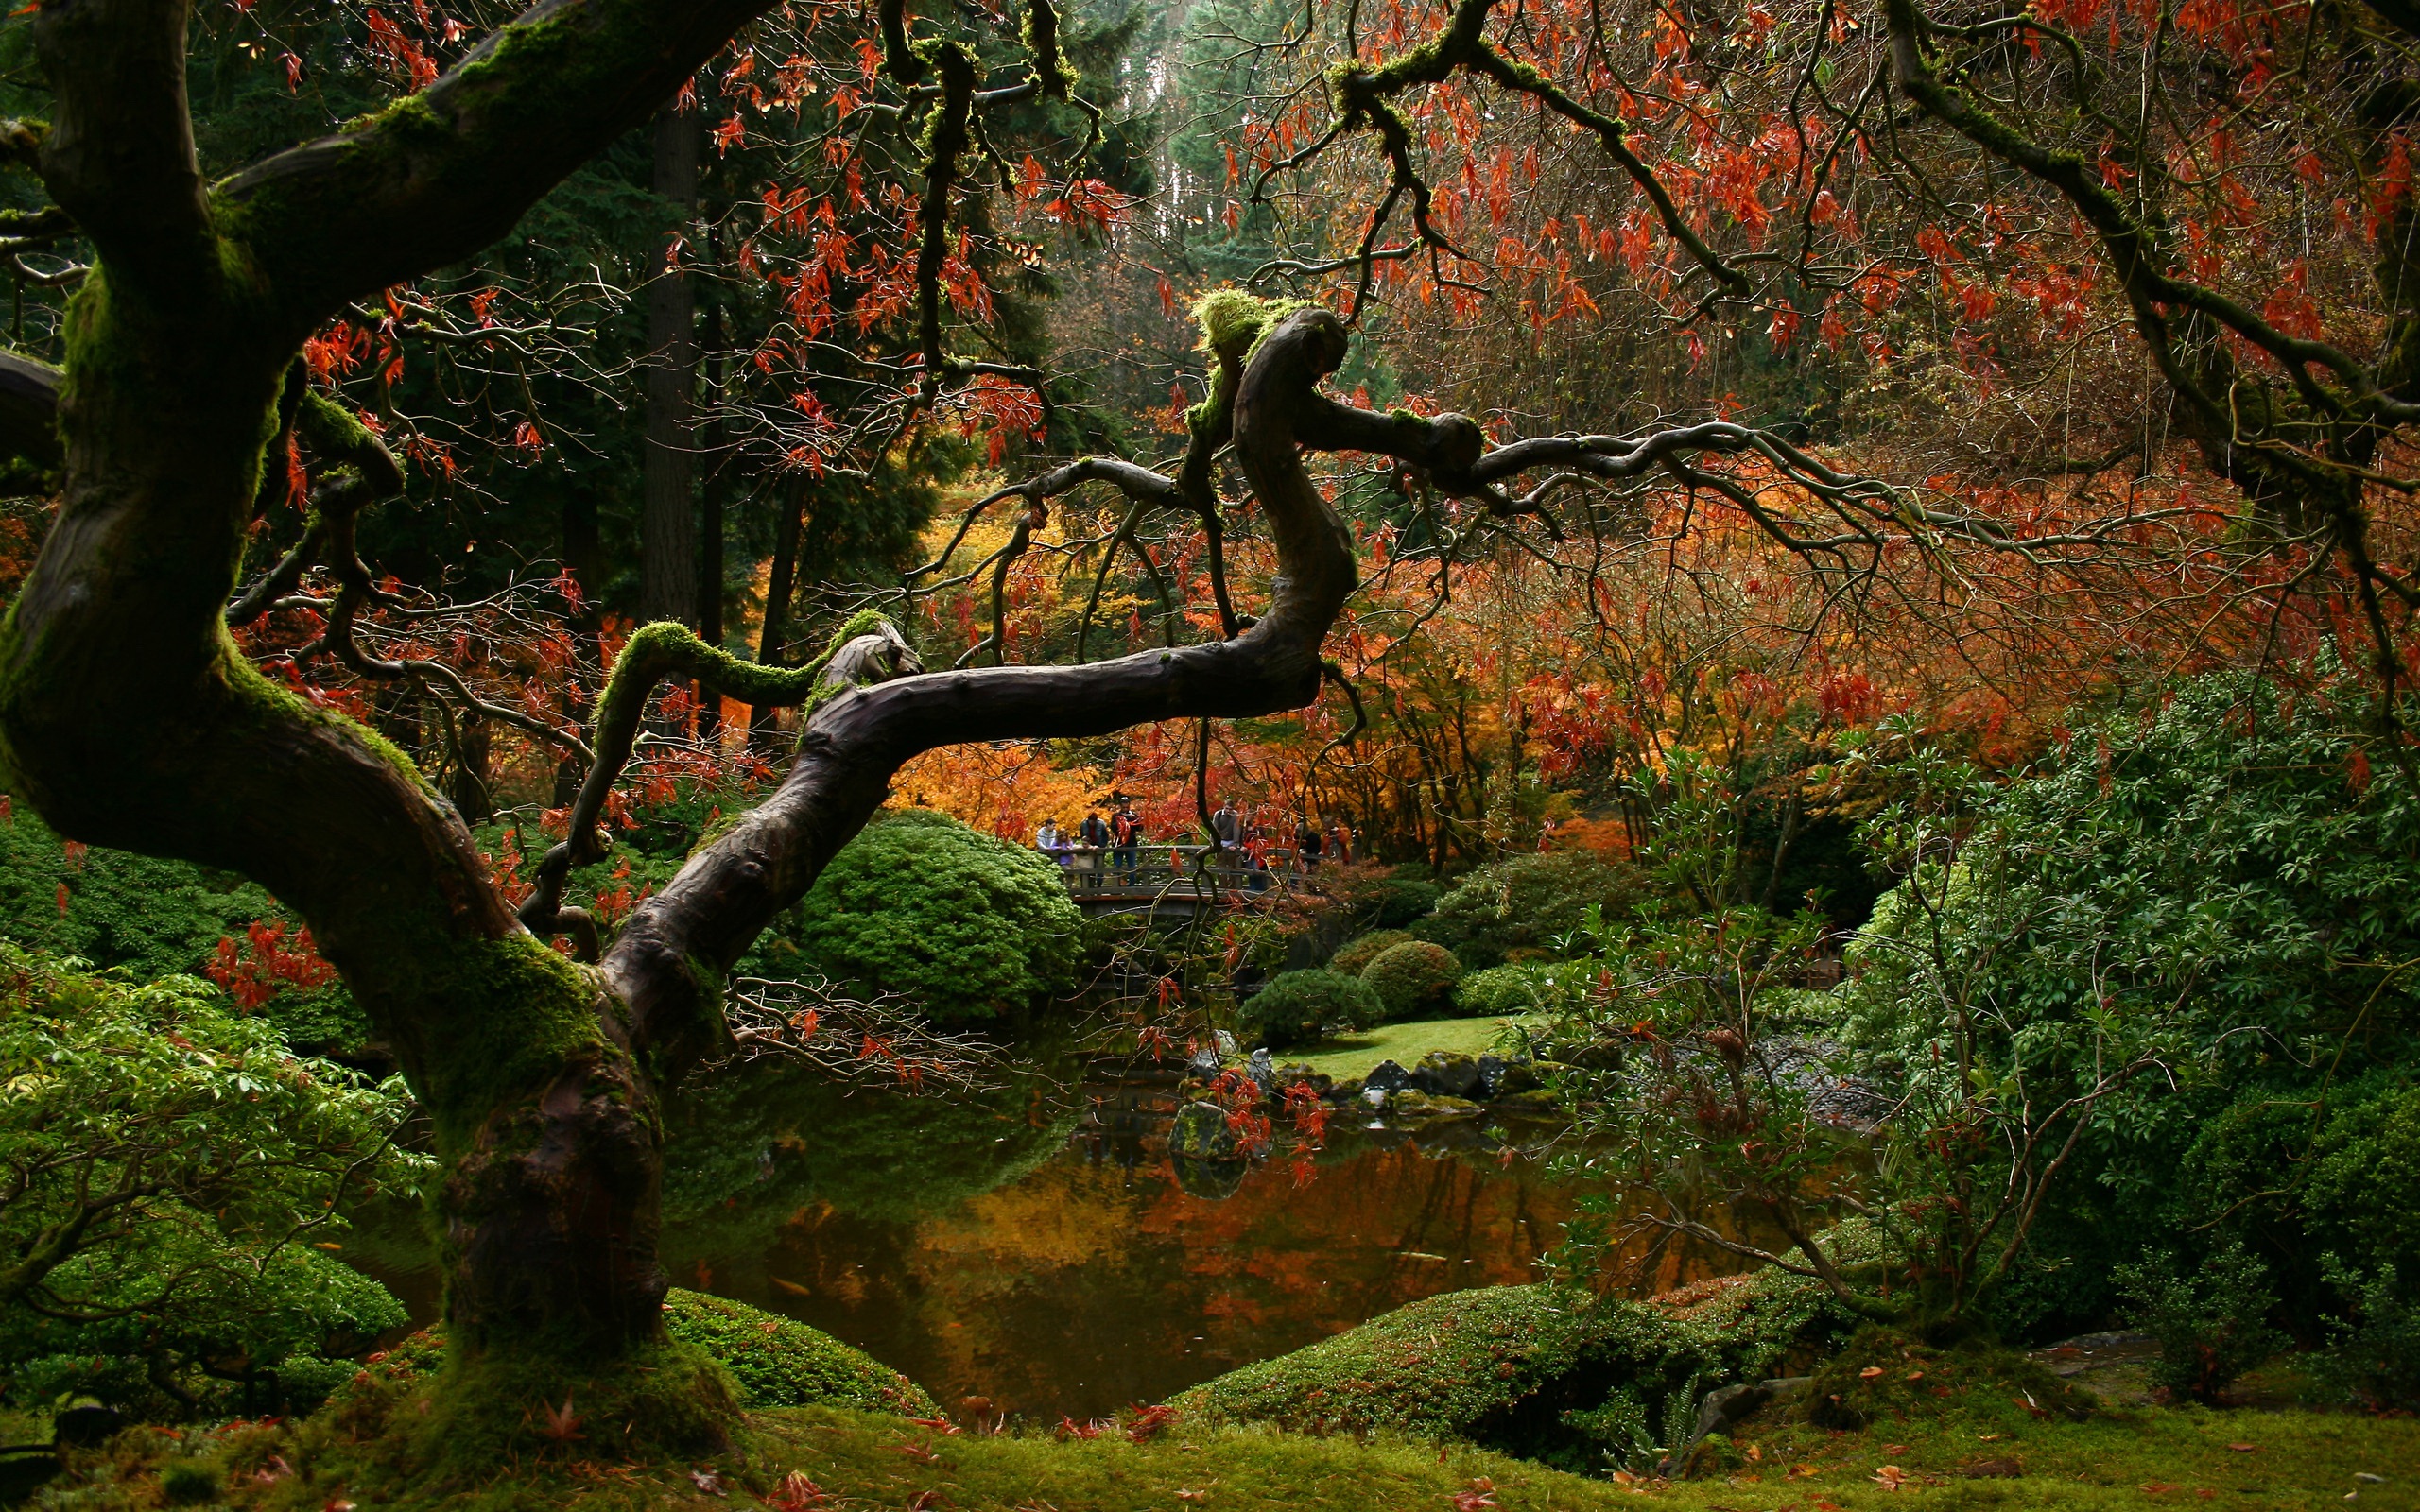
x=1173 y=878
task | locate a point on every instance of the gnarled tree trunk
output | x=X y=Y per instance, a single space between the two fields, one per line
x=128 y=719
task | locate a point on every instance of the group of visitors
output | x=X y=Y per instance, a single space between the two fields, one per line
x=1120 y=838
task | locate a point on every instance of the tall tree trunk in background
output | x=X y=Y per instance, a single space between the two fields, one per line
x=668 y=533
x=772 y=643
x=469 y=786
x=715 y=495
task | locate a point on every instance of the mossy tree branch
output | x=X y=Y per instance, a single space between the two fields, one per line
x=865 y=649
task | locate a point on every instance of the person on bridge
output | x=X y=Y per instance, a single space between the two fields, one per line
x=1050 y=842
x=1226 y=825
x=1126 y=831
x=1306 y=845
x=1094 y=834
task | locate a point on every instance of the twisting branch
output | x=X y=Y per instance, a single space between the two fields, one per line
x=1363 y=97
x=865 y=649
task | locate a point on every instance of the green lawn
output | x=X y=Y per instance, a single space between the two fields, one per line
x=1351 y=1058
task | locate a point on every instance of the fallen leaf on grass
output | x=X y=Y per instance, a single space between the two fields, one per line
x=796 y=1494
x=1869 y=1372
x=2157 y=1488
x=1889 y=1477
x=1894 y=1451
x=2245 y=1449
x=708 y=1481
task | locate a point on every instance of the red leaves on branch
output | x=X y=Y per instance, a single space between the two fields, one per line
x=267 y=964
x=398 y=53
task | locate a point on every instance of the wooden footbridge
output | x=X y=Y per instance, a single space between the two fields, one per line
x=1175 y=879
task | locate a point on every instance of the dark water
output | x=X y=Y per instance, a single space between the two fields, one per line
x=1036 y=1249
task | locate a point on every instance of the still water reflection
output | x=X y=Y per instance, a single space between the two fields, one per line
x=1040 y=1253
x=1035 y=1250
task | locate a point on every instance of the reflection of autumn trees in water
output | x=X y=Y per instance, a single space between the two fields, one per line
x=1092 y=1282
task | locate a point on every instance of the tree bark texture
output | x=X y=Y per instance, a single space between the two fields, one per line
x=668 y=524
x=127 y=717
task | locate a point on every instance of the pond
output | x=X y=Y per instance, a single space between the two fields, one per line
x=1035 y=1251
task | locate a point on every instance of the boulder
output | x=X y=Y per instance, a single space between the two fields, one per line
x=1262 y=1070
x=1445 y=1073
x=1387 y=1076
x=1414 y=1106
x=1321 y=1083
x=1516 y=1076
x=1491 y=1075
x=1535 y=1102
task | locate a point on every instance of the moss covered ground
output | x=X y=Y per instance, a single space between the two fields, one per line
x=1975 y=1450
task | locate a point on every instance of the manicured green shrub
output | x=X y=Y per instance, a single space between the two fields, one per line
x=1362 y=949
x=1504 y=993
x=779 y=1362
x=969 y=926
x=1296 y=1006
x=1413 y=980
x=1534 y=901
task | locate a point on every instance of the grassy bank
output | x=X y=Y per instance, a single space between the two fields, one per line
x=1352 y=1056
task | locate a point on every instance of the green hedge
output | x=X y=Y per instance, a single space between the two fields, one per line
x=1413 y=980
x=1357 y=952
x=918 y=903
x=1296 y=1006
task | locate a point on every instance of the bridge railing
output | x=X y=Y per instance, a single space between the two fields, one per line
x=1175 y=873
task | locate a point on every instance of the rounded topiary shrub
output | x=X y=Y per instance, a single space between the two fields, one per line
x=1499 y=993
x=1535 y=902
x=970 y=926
x=1413 y=980
x=1296 y=1006
x=1361 y=951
